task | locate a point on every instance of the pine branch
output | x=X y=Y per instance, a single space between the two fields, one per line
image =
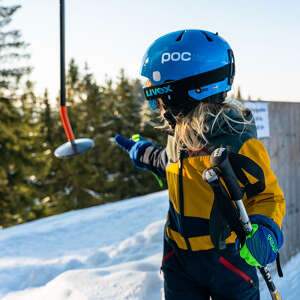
x=15 y=72
x=8 y=11
x=13 y=57
x=13 y=45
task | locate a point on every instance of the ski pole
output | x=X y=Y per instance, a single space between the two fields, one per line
x=74 y=146
x=220 y=162
x=211 y=177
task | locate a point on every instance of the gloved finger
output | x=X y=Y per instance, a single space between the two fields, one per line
x=124 y=143
x=137 y=138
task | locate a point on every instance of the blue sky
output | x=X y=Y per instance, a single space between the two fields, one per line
x=109 y=35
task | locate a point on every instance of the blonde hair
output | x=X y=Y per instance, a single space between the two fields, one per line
x=191 y=131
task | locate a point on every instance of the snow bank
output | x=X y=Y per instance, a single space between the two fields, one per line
x=107 y=252
x=138 y=280
x=41 y=253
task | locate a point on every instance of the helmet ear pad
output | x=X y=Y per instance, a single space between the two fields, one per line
x=217 y=98
x=181 y=103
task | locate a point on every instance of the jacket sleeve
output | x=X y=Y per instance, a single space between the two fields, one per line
x=155 y=160
x=270 y=202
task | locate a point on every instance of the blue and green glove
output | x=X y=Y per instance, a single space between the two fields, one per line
x=262 y=244
x=136 y=147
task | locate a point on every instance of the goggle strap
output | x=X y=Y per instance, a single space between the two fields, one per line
x=189 y=83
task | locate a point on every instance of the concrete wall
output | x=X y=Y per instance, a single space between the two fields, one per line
x=284 y=149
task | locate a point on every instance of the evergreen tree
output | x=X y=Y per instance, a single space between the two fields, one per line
x=127 y=120
x=69 y=183
x=10 y=199
x=34 y=183
x=46 y=135
x=44 y=185
x=60 y=185
x=105 y=173
x=11 y=50
x=32 y=155
x=89 y=182
x=47 y=122
x=14 y=134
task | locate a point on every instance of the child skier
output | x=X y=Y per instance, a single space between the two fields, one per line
x=189 y=73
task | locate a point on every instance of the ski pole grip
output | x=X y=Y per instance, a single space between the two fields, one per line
x=220 y=159
x=210 y=176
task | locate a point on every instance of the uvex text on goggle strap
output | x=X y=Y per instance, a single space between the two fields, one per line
x=182 y=86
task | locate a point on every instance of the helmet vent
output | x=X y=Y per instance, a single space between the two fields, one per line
x=207 y=37
x=180 y=36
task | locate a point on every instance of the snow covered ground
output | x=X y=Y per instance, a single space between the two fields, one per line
x=107 y=252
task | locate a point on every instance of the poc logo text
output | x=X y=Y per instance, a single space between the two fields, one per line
x=175 y=56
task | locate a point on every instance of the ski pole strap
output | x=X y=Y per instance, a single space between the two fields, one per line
x=158 y=180
x=225 y=207
x=279 y=270
x=136 y=138
x=220 y=160
x=242 y=164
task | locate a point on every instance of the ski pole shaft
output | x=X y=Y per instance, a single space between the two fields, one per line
x=219 y=159
x=62 y=53
x=269 y=282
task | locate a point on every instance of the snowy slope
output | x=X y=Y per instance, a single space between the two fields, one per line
x=111 y=251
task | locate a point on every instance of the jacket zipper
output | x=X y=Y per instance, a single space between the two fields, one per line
x=181 y=202
x=234 y=269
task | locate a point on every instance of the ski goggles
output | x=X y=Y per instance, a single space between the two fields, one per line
x=189 y=83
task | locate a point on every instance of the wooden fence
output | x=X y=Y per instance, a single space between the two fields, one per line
x=284 y=149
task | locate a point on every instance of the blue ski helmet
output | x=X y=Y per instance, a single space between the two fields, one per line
x=186 y=67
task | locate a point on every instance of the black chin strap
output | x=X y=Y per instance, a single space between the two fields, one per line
x=170 y=119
